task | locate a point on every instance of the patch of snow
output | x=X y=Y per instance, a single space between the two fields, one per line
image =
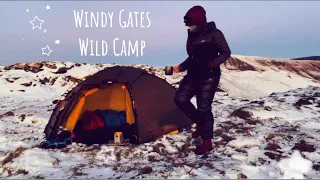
x=241 y=143
x=295 y=167
x=312 y=125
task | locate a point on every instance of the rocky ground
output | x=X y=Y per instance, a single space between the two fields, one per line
x=254 y=137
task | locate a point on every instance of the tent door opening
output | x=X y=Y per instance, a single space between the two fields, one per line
x=100 y=113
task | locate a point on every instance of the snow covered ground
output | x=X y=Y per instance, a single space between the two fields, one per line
x=262 y=130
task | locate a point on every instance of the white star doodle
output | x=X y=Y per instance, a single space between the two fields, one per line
x=27 y=10
x=57 y=41
x=48 y=7
x=38 y=20
x=45 y=31
x=48 y=51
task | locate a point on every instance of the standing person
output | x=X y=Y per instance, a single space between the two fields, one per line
x=207 y=49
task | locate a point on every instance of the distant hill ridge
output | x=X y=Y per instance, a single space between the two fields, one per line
x=315 y=58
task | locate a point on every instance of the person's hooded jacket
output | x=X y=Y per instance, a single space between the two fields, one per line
x=207 y=47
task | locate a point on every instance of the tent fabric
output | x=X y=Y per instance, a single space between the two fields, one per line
x=75 y=114
x=147 y=100
x=154 y=99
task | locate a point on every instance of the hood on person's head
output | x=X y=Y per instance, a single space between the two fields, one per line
x=196 y=16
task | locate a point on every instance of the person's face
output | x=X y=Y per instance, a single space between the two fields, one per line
x=191 y=27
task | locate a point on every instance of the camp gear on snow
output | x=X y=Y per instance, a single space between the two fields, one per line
x=92 y=120
x=62 y=140
x=45 y=144
x=124 y=142
x=118 y=137
x=204 y=91
x=112 y=118
x=168 y=70
x=102 y=135
x=146 y=99
x=206 y=146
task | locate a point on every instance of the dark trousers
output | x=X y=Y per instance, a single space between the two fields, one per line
x=204 y=90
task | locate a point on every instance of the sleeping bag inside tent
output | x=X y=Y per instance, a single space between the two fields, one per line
x=118 y=99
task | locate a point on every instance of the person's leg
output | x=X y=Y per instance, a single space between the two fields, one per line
x=205 y=94
x=183 y=96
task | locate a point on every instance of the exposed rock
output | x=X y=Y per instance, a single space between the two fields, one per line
x=26 y=84
x=53 y=80
x=226 y=137
x=50 y=66
x=242 y=176
x=234 y=63
x=9 y=113
x=272 y=147
x=217 y=132
x=304 y=147
x=257 y=102
x=22 y=117
x=253 y=122
x=63 y=70
x=71 y=78
x=77 y=65
x=302 y=102
x=273 y=156
x=44 y=80
x=32 y=67
x=10 y=81
x=267 y=108
x=241 y=113
x=316 y=167
x=146 y=170
x=35 y=69
x=12 y=155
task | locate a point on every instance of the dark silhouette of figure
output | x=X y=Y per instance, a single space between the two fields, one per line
x=207 y=49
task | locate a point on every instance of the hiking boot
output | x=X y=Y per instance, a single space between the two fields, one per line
x=196 y=133
x=206 y=146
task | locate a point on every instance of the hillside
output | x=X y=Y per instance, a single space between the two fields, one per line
x=267 y=122
x=242 y=76
x=315 y=58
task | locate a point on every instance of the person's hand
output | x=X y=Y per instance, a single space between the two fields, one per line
x=176 y=69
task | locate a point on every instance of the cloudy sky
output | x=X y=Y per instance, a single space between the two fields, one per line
x=267 y=28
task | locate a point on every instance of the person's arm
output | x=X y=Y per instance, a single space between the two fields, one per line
x=185 y=64
x=223 y=49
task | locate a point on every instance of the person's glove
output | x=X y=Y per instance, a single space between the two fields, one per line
x=176 y=69
x=211 y=64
